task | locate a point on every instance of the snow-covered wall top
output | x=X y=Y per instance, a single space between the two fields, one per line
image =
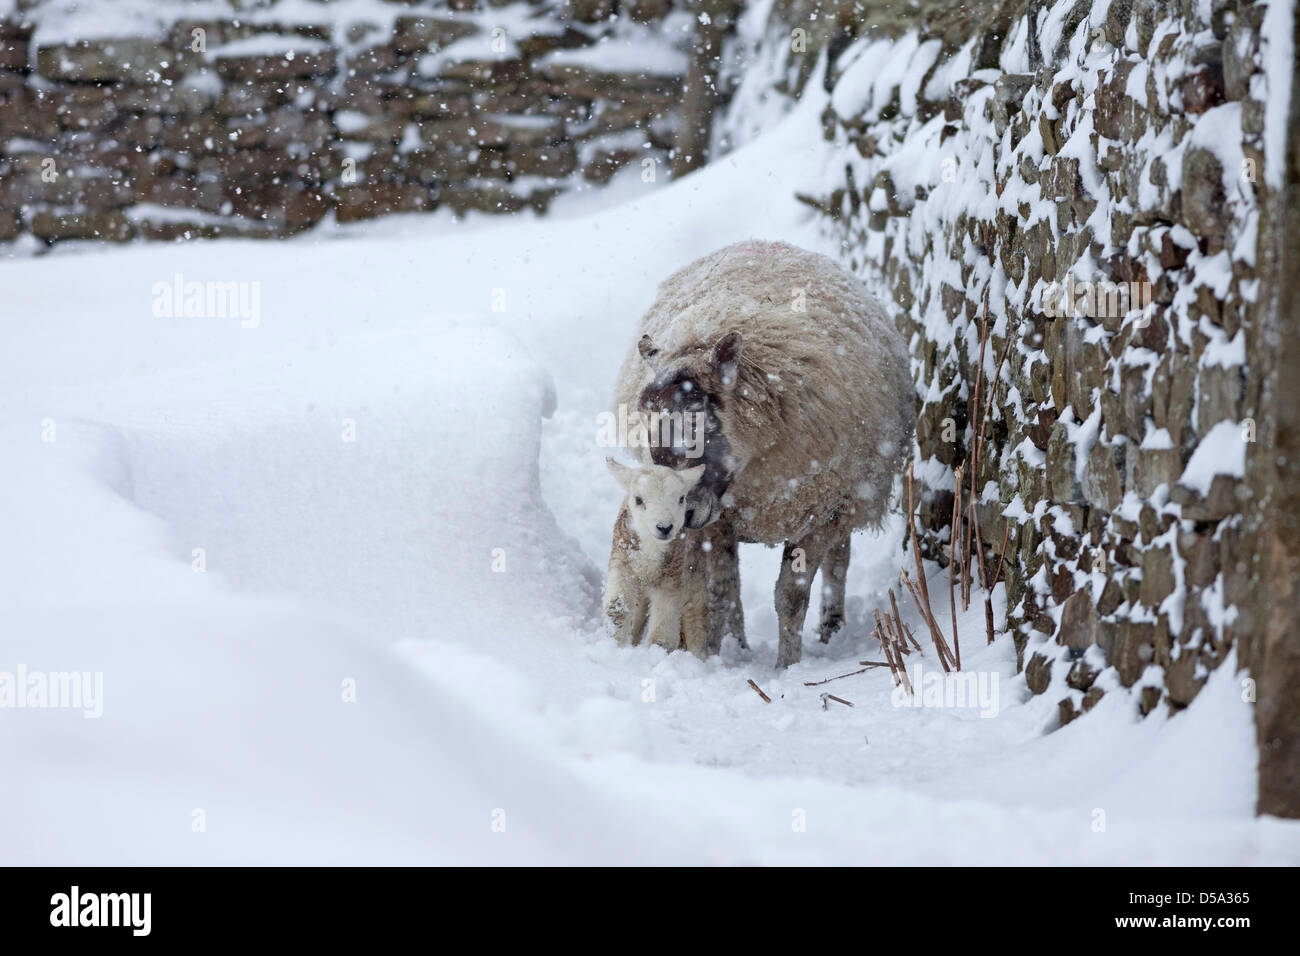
x=184 y=118
x=1094 y=170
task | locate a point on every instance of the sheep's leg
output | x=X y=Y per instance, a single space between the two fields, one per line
x=799 y=563
x=640 y=614
x=695 y=624
x=626 y=611
x=726 y=612
x=665 y=627
x=629 y=622
x=695 y=599
x=835 y=568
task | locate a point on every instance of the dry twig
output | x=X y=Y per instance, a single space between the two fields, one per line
x=952 y=560
x=912 y=637
x=923 y=602
x=973 y=414
x=902 y=630
x=946 y=659
x=817 y=683
x=997 y=573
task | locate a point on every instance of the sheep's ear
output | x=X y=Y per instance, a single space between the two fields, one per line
x=649 y=351
x=692 y=476
x=621 y=472
x=726 y=358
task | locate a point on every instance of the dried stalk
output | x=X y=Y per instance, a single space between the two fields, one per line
x=979 y=557
x=902 y=670
x=927 y=613
x=759 y=691
x=992 y=393
x=912 y=637
x=980 y=439
x=818 y=683
x=887 y=626
x=988 y=594
x=952 y=559
x=936 y=635
x=889 y=655
x=917 y=600
x=1006 y=536
x=988 y=616
x=904 y=634
x=896 y=666
x=973 y=413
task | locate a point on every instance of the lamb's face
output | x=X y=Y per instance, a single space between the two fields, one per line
x=657 y=497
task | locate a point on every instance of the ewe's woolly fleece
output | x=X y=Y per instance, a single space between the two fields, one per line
x=823 y=412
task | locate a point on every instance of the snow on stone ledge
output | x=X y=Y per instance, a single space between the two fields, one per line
x=1221 y=452
x=633 y=49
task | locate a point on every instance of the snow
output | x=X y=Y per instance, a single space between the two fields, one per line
x=1223 y=351
x=266 y=44
x=1221 y=452
x=339 y=571
x=1083 y=435
x=1276 y=40
x=63 y=21
x=756 y=67
x=351 y=121
x=1157 y=439
x=855 y=87
x=634 y=48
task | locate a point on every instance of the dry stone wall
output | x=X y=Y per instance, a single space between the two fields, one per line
x=166 y=119
x=1095 y=169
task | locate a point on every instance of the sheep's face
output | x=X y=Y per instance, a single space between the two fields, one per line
x=657 y=497
x=695 y=387
x=688 y=377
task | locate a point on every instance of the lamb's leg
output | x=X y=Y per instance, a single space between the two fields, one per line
x=835 y=568
x=665 y=627
x=626 y=610
x=726 y=612
x=695 y=599
x=799 y=563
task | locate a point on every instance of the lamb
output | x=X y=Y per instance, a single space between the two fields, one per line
x=809 y=410
x=655 y=582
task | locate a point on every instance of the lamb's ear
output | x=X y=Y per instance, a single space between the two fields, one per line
x=649 y=351
x=692 y=476
x=726 y=358
x=621 y=472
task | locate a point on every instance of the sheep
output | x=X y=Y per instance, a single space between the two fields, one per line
x=809 y=410
x=655 y=582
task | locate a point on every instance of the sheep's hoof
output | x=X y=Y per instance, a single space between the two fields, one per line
x=829 y=627
x=788 y=654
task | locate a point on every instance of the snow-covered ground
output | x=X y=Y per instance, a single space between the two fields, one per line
x=338 y=565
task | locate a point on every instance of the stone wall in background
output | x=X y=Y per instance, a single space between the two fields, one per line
x=1034 y=152
x=165 y=119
